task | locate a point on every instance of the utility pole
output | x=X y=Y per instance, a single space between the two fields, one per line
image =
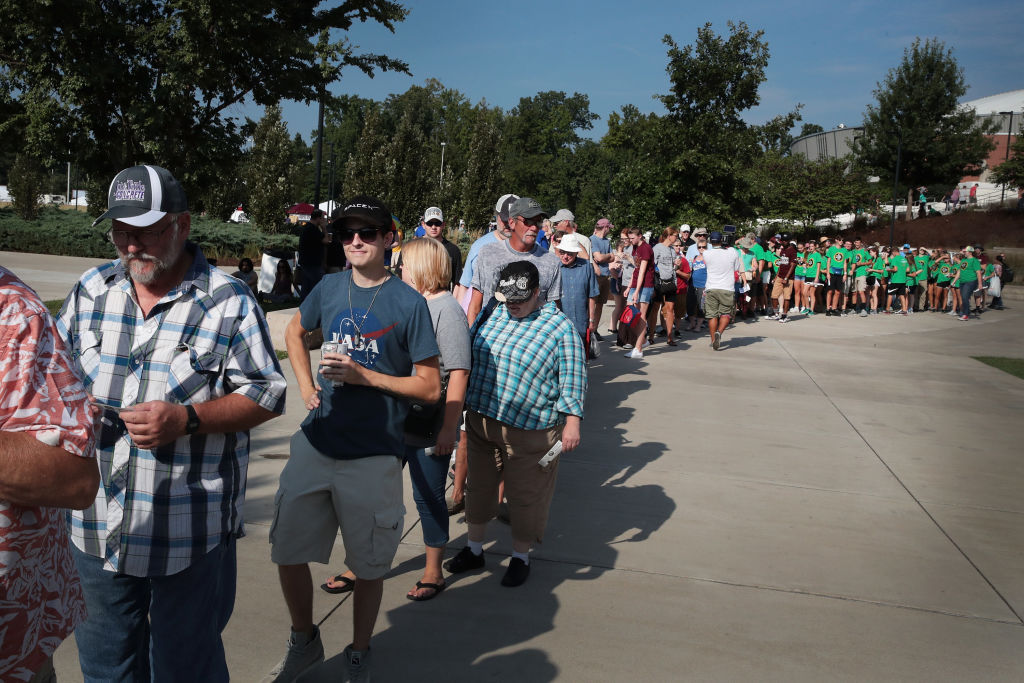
x=1009 y=131
x=895 y=184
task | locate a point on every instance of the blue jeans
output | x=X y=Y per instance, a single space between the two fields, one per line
x=160 y=628
x=966 y=292
x=428 y=473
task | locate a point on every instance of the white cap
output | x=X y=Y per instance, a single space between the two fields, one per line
x=570 y=243
x=433 y=214
x=563 y=215
x=685 y=227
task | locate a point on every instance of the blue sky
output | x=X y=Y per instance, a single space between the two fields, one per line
x=828 y=56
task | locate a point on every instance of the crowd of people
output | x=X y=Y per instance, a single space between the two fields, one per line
x=125 y=421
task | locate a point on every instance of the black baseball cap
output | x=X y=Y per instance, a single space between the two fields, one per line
x=715 y=236
x=517 y=282
x=142 y=195
x=526 y=207
x=369 y=210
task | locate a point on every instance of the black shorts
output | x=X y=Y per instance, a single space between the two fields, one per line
x=897 y=289
x=835 y=282
x=871 y=280
x=931 y=281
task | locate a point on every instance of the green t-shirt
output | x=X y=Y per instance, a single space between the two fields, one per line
x=898 y=269
x=969 y=268
x=879 y=267
x=748 y=260
x=990 y=270
x=799 y=271
x=925 y=264
x=911 y=268
x=758 y=252
x=813 y=266
x=770 y=258
x=838 y=258
x=944 y=273
x=861 y=258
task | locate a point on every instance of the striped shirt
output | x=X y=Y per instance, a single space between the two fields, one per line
x=528 y=373
x=159 y=511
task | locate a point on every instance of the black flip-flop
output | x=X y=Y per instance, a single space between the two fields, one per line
x=346 y=587
x=437 y=587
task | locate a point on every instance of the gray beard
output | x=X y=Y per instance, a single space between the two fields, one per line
x=162 y=265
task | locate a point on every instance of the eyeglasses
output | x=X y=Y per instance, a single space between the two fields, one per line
x=434 y=224
x=365 y=234
x=144 y=236
x=534 y=222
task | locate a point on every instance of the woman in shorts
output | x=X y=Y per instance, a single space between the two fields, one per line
x=875 y=272
x=799 y=275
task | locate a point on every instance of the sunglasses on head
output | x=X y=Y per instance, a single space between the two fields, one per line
x=365 y=234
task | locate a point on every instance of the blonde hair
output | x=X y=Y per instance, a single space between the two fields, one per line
x=428 y=264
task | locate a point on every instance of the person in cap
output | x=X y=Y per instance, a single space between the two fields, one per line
x=602 y=257
x=565 y=220
x=782 y=290
x=433 y=221
x=521 y=421
x=502 y=230
x=345 y=468
x=720 y=293
x=579 y=286
x=178 y=359
x=525 y=216
x=47 y=464
x=684 y=236
x=313 y=241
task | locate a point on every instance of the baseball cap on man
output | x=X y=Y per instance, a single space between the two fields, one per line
x=517 y=282
x=563 y=215
x=684 y=227
x=715 y=236
x=433 y=214
x=369 y=210
x=504 y=202
x=700 y=231
x=142 y=195
x=527 y=208
x=604 y=223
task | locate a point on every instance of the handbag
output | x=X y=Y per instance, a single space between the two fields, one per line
x=593 y=349
x=665 y=286
x=425 y=420
x=995 y=287
x=630 y=316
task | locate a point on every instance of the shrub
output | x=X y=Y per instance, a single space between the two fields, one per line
x=26 y=185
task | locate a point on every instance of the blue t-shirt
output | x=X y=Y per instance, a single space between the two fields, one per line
x=579 y=283
x=394 y=332
x=467 y=270
x=699 y=274
x=601 y=245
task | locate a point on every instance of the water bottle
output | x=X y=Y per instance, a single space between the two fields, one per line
x=549 y=457
x=334 y=347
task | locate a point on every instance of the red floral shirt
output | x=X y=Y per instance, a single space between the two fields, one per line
x=41 y=600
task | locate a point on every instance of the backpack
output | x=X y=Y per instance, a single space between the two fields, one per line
x=1007 y=274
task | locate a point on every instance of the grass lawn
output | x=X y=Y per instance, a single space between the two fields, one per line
x=1014 y=366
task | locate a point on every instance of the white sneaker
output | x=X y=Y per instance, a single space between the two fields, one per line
x=635 y=354
x=299 y=659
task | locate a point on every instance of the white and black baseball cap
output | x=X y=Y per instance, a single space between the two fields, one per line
x=142 y=195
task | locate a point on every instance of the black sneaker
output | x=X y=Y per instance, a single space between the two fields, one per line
x=464 y=561
x=828 y=312
x=516 y=574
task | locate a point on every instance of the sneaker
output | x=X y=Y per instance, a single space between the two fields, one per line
x=717 y=341
x=810 y=312
x=639 y=355
x=299 y=659
x=964 y=318
x=828 y=312
x=863 y=313
x=464 y=561
x=783 y=319
x=774 y=316
x=516 y=574
x=358 y=664
x=627 y=346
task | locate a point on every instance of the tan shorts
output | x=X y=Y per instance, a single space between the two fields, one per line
x=528 y=488
x=318 y=495
x=604 y=290
x=782 y=289
x=719 y=302
x=860 y=283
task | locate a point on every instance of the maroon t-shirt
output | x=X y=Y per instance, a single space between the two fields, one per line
x=787 y=267
x=643 y=252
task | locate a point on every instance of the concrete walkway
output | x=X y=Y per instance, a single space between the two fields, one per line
x=832 y=499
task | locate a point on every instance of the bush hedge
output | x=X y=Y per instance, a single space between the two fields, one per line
x=66 y=232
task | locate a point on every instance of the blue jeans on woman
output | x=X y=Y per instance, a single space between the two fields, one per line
x=428 y=474
x=159 y=628
x=966 y=292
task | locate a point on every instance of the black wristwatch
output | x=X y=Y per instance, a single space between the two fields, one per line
x=192 y=423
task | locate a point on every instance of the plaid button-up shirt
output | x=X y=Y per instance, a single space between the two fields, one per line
x=528 y=373
x=158 y=511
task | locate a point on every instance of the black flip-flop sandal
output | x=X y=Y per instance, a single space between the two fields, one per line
x=346 y=587
x=437 y=587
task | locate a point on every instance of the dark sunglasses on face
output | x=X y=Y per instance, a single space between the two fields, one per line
x=434 y=223
x=532 y=222
x=365 y=234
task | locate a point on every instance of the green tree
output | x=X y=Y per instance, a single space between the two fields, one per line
x=640 y=185
x=810 y=129
x=25 y=185
x=1011 y=171
x=270 y=172
x=712 y=83
x=795 y=188
x=482 y=181
x=918 y=101
x=158 y=80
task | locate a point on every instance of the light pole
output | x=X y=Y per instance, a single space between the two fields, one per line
x=1009 y=131
x=895 y=184
x=440 y=178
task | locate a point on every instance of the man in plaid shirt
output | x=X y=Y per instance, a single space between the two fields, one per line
x=177 y=358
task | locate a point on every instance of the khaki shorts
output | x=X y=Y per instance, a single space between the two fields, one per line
x=528 y=488
x=860 y=283
x=719 y=302
x=604 y=290
x=318 y=495
x=782 y=289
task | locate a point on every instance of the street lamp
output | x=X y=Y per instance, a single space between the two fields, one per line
x=440 y=178
x=1009 y=130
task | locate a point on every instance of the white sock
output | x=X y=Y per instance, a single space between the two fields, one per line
x=477 y=547
x=525 y=557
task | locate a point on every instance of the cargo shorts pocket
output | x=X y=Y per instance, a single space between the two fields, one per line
x=387 y=533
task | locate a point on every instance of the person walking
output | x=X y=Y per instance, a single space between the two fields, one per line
x=720 y=294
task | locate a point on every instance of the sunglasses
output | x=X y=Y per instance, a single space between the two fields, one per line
x=146 y=236
x=434 y=223
x=365 y=234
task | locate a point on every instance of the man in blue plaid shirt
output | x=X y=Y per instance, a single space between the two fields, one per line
x=526 y=391
x=177 y=358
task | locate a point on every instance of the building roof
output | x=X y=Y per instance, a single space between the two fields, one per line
x=993 y=104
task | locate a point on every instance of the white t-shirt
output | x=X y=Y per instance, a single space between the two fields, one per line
x=722 y=265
